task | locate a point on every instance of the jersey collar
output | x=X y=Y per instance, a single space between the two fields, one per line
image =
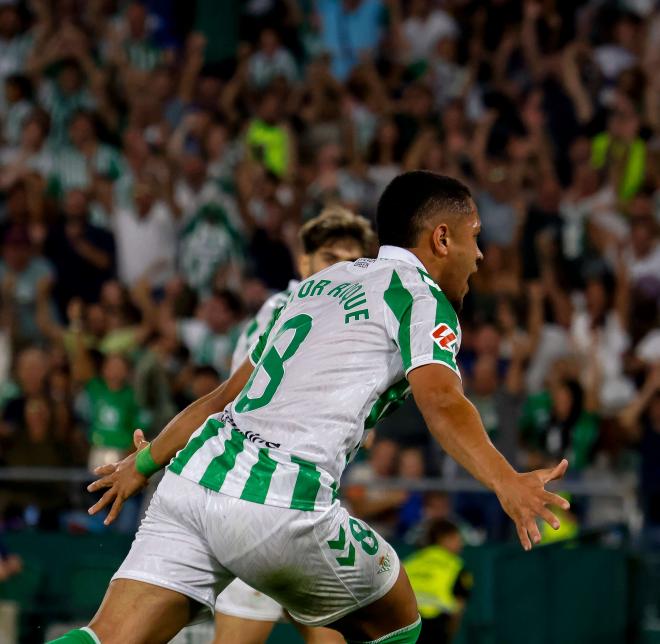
x=403 y=255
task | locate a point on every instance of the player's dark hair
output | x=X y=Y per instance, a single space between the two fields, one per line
x=439 y=529
x=336 y=223
x=411 y=198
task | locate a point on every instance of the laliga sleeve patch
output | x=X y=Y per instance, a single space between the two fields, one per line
x=444 y=337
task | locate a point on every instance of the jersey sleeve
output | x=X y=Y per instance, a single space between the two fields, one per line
x=422 y=322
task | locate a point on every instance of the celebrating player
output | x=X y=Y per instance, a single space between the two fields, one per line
x=252 y=493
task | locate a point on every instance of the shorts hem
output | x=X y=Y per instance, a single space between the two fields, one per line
x=246 y=614
x=325 y=621
x=157 y=581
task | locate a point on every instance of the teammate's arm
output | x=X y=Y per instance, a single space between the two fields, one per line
x=455 y=423
x=123 y=479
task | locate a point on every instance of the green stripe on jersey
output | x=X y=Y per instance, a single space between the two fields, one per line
x=335 y=491
x=211 y=429
x=399 y=299
x=444 y=312
x=261 y=474
x=307 y=485
x=220 y=466
x=391 y=399
x=251 y=328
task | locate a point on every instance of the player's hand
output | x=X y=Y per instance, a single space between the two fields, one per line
x=122 y=479
x=524 y=498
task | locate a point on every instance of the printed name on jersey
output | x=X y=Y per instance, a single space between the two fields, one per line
x=444 y=337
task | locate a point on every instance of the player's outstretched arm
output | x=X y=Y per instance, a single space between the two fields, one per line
x=456 y=425
x=123 y=479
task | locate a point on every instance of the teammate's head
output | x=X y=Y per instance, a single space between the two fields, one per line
x=434 y=216
x=442 y=532
x=336 y=235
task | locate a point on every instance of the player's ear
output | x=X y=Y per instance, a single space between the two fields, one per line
x=440 y=239
x=304 y=265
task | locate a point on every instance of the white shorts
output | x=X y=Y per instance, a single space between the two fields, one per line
x=241 y=600
x=319 y=565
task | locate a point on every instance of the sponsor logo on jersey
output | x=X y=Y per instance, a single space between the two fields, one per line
x=253 y=437
x=444 y=337
x=384 y=564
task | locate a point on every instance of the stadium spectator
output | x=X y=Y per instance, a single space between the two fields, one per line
x=76 y=247
x=440 y=581
x=109 y=406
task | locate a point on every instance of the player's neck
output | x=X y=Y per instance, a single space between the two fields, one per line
x=430 y=263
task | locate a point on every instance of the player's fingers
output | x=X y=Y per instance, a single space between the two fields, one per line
x=549 y=518
x=102 y=502
x=554 y=499
x=522 y=536
x=554 y=473
x=104 y=470
x=533 y=530
x=99 y=484
x=138 y=439
x=114 y=510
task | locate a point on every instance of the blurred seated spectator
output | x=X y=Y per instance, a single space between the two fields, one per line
x=35 y=444
x=76 y=164
x=440 y=581
x=620 y=151
x=411 y=467
x=270 y=61
x=29 y=153
x=30 y=373
x=76 y=247
x=23 y=274
x=211 y=335
x=107 y=403
x=268 y=138
x=561 y=422
x=18 y=94
x=145 y=237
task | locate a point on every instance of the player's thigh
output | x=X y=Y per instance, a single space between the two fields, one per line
x=139 y=613
x=319 y=634
x=239 y=630
x=395 y=610
x=170 y=549
x=244 y=615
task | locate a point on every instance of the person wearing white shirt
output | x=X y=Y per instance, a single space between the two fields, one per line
x=145 y=237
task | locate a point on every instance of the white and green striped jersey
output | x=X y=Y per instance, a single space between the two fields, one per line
x=264 y=317
x=333 y=362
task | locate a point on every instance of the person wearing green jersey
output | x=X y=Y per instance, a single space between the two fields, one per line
x=112 y=412
x=252 y=492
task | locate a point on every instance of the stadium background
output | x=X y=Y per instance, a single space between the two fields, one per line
x=157 y=159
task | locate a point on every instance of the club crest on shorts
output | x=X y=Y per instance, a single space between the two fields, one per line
x=444 y=337
x=384 y=564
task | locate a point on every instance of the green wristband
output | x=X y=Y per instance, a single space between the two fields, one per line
x=144 y=462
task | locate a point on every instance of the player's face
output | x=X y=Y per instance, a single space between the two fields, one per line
x=339 y=250
x=463 y=256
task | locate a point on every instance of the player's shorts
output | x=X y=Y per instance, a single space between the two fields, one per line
x=241 y=600
x=319 y=565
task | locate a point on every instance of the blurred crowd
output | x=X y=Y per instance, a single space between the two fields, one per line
x=158 y=160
